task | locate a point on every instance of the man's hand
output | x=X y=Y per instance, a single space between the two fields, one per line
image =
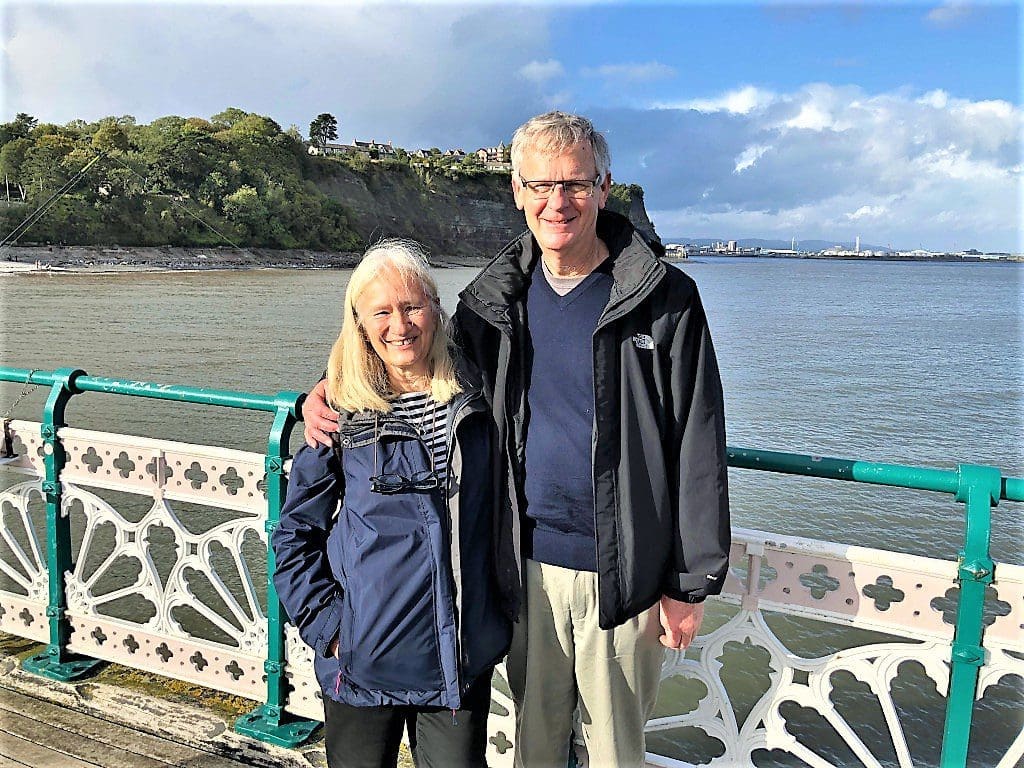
x=680 y=622
x=320 y=419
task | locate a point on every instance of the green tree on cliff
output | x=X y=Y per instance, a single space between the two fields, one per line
x=323 y=129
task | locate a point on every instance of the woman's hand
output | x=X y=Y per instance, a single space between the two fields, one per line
x=320 y=419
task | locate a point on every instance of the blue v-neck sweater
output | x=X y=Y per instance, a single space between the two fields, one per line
x=559 y=467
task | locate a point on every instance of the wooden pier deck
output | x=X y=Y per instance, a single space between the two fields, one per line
x=47 y=724
x=40 y=734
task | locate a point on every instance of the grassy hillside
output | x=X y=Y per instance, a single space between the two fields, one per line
x=239 y=179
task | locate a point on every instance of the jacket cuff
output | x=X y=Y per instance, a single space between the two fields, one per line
x=684 y=597
x=329 y=629
x=693 y=587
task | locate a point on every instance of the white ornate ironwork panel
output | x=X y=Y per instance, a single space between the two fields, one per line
x=501 y=725
x=901 y=595
x=25 y=592
x=203 y=618
x=234 y=610
x=28 y=445
x=210 y=664
x=1006 y=608
x=218 y=477
x=305 y=699
x=867 y=588
x=23 y=618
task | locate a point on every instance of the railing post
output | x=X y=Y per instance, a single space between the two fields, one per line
x=56 y=662
x=269 y=722
x=979 y=489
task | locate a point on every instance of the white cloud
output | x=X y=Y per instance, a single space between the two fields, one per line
x=867 y=211
x=948 y=14
x=749 y=156
x=542 y=71
x=903 y=167
x=386 y=71
x=937 y=99
x=635 y=73
x=812 y=117
x=740 y=102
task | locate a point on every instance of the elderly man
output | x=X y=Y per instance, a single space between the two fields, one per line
x=605 y=390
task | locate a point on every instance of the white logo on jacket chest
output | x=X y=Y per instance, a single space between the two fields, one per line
x=643 y=341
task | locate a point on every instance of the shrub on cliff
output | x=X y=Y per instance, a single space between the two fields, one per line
x=174 y=181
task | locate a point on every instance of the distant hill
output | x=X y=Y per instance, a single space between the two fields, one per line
x=803 y=245
x=238 y=179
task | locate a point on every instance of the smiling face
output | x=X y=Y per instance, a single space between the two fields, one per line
x=399 y=319
x=564 y=228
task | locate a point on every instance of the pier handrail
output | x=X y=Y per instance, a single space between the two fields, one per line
x=892 y=475
x=979 y=487
x=808 y=465
x=79 y=382
x=269 y=722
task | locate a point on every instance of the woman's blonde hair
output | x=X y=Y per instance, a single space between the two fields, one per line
x=356 y=377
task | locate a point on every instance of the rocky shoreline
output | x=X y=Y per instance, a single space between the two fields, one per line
x=95 y=259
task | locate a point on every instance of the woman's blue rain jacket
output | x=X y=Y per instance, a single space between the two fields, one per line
x=405 y=581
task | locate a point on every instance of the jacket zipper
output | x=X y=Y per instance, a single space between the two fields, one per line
x=435 y=562
x=457 y=416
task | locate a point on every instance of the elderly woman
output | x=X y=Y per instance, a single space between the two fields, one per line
x=384 y=561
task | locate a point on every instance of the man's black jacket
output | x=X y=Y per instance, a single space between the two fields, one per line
x=659 y=463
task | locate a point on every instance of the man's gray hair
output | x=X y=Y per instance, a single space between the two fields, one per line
x=556 y=132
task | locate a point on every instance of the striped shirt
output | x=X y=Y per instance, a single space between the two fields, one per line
x=430 y=419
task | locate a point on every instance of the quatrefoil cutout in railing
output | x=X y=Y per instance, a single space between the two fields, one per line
x=947 y=604
x=124 y=465
x=818 y=582
x=500 y=742
x=92 y=460
x=18 y=446
x=231 y=481
x=196 y=476
x=234 y=670
x=883 y=593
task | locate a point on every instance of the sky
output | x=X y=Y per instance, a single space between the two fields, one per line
x=902 y=123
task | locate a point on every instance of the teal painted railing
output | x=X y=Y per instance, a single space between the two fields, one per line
x=979 y=488
x=269 y=722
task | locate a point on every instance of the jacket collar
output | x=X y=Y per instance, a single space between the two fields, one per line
x=634 y=269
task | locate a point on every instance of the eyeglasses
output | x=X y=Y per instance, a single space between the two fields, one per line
x=392 y=482
x=577 y=189
x=427 y=480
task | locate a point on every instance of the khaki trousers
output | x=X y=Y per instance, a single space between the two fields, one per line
x=560 y=660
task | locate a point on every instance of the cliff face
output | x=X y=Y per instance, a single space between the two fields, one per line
x=469 y=217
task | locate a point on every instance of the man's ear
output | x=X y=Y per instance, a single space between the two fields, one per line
x=517 y=193
x=606 y=186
